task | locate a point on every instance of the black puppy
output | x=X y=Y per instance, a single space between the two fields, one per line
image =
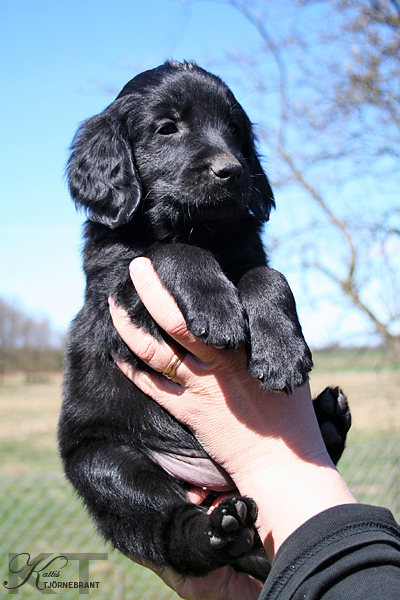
x=169 y=171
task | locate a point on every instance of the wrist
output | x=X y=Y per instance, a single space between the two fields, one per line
x=286 y=469
x=283 y=434
x=290 y=491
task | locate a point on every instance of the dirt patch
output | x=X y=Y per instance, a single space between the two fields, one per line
x=28 y=409
x=32 y=409
x=29 y=414
x=374 y=397
x=28 y=424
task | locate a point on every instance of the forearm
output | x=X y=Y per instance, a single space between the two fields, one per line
x=288 y=500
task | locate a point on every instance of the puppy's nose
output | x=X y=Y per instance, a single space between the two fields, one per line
x=227 y=170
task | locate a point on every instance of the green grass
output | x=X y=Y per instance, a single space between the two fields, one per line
x=372 y=471
x=30 y=458
x=353 y=359
x=40 y=513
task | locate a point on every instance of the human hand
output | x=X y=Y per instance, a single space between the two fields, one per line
x=210 y=386
x=222 y=584
x=268 y=442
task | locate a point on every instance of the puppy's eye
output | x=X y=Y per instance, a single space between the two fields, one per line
x=168 y=128
x=232 y=128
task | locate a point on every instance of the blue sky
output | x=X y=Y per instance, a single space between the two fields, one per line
x=63 y=62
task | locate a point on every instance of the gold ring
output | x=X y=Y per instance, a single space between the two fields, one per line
x=172 y=368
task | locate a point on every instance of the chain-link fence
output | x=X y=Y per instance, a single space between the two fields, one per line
x=41 y=516
x=42 y=519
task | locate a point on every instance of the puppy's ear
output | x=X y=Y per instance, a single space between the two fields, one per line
x=262 y=198
x=101 y=174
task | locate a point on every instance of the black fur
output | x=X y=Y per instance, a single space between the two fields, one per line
x=169 y=171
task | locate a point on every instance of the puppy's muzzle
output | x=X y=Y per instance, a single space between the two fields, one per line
x=227 y=170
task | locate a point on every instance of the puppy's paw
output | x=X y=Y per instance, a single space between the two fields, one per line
x=280 y=367
x=231 y=529
x=208 y=300
x=334 y=418
x=278 y=355
x=216 y=318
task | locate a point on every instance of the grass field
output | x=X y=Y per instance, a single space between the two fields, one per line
x=39 y=513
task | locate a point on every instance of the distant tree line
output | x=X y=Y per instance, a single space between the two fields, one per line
x=27 y=344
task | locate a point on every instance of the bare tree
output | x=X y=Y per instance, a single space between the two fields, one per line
x=326 y=74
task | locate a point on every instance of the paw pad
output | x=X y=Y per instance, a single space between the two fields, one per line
x=232 y=526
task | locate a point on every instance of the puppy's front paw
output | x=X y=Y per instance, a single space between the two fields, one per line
x=208 y=300
x=279 y=356
x=280 y=367
x=334 y=418
x=231 y=529
x=216 y=318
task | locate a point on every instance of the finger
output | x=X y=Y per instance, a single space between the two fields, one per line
x=147 y=382
x=164 y=309
x=159 y=356
x=223 y=583
x=162 y=390
x=169 y=577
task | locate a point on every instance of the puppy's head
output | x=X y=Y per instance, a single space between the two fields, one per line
x=176 y=142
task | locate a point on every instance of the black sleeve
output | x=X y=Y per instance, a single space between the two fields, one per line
x=350 y=551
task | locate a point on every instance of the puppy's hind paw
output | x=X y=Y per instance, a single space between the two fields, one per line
x=334 y=418
x=231 y=529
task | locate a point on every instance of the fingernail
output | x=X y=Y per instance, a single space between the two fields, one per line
x=137 y=265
